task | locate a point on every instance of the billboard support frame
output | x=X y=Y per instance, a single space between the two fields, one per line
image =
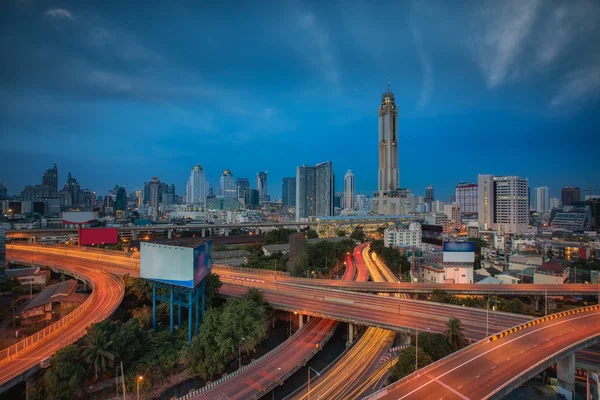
x=190 y=298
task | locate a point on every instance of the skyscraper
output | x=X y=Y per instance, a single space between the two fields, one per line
x=288 y=191
x=569 y=195
x=155 y=196
x=227 y=188
x=503 y=203
x=261 y=186
x=325 y=189
x=429 y=195
x=121 y=200
x=241 y=185
x=348 y=190
x=541 y=198
x=466 y=196
x=197 y=187
x=306 y=177
x=50 y=181
x=73 y=189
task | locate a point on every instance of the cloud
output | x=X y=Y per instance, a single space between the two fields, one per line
x=426 y=68
x=318 y=39
x=501 y=33
x=60 y=13
x=580 y=85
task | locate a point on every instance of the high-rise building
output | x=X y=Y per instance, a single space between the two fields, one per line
x=241 y=185
x=288 y=191
x=251 y=198
x=349 y=190
x=554 y=202
x=197 y=187
x=466 y=196
x=541 y=199
x=121 y=200
x=146 y=194
x=389 y=199
x=261 y=186
x=503 y=203
x=50 y=180
x=338 y=200
x=569 y=195
x=154 y=193
x=453 y=211
x=73 y=189
x=306 y=186
x=325 y=190
x=168 y=195
x=227 y=188
x=429 y=195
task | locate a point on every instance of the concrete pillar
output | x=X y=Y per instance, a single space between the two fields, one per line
x=226 y=231
x=407 y=339
x=133 y=235
x=298 y=228
x=566 y=376
x=350 y=334
x=203 y=232
x=169 y=233
x=257 y=231
x=300 y=321
x=536 y=303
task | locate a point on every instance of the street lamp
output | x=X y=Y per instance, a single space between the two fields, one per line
x=417 y=349
x=315 y=283
x=240 y=353
x=139 y=379
x=273 y=391
x=316 y=372
x=295 y=313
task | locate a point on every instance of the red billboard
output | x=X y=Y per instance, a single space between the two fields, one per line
x=98 y=236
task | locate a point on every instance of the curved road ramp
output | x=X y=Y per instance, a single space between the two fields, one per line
x=496 y=365
x=22 y=359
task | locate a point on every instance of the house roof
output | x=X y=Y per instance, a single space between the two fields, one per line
x=51 y=293
x=489 y=280
x=18 y=272
x=273 y=248
x=554 y=266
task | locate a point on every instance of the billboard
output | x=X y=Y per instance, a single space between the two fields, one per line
x=176 y=265
x=459 y=252
x=89 y=236
x=432 y=234
x=78 y=217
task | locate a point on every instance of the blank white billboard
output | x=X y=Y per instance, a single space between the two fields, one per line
x=169 y=264
x=79 y=217
x=459 y=252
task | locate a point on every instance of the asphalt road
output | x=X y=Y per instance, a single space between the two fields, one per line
x=109 y=293
x=477 y=371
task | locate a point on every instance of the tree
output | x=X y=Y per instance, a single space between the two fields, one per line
x=433 y=344
x=130 y=340
x=280 y=235
x=340 y=233
x=212 y=286
x=406 y=362
x=65 y=377
x=550 y=254
x=454 y=333
x=358 y=234
x=139 y=289
x=98 y=350
x=311 y=234
x=143 y=315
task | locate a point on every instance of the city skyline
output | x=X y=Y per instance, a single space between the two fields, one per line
x=147 y=99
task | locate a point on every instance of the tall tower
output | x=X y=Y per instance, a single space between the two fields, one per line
x=325 y=189
x=542 y=199
x=261 y=186
x=227 y=187
x=349 y=190
x=306 y=187
x=197 y=187
x=389 y=175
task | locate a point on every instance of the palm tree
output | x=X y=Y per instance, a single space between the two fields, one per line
x=454 y=334
x=97 y=350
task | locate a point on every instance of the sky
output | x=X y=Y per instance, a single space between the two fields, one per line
x=117 y=93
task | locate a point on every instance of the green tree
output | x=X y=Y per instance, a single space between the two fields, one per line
x=340 y=233
x=433 y=344
x=358 y=234
x=454 y=334
x=550 y=254
x=406 y=362
x=139 y=289
x=280 y=235
x=65 y=377
x=143 y=315
x=311 y=234
x=98 y=350
x=130 y=342
x=212 y=286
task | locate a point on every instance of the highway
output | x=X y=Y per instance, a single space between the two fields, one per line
x=482 y=370
x=109 y=290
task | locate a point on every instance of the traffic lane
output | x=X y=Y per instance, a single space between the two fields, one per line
x=108 y=294
x=484 y=367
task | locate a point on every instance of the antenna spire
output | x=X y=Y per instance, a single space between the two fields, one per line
x=389 y=90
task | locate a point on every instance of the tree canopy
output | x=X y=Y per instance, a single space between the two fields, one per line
x=406 y=362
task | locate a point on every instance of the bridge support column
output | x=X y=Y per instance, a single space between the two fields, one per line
x=298 y=229
x=350 y=334
x=169 y=233
x=300 y=321
x=203 y=232
x=154 y=307
x=226 y=232
x=566 y=376
x=407 y=339
x=171 y=312
x=133 y=235
x=536 y=303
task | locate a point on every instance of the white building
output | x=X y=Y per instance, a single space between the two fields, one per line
x=458 y=274
x=503 y=203
x=466 y=196
x=227 y=187
x=349 y=190
x=403 y=237
x=554 y=202
x=551 y=273
x=197 y=187
x=437 y=206
x=520 y=262
x=541 y=198
x=452 y=211
x=436 y=219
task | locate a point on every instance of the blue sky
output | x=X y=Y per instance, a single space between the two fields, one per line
x=118 y=93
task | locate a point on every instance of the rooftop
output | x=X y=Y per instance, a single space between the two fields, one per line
x=53 y=293
x=273 y=248
x=554 y=266
x=366 y=217
x=179 y=242
x=17 y=272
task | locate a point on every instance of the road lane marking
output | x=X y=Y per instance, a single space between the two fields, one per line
x=448 y=387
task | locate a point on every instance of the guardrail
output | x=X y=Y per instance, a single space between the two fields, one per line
x=258 y=360
x=254 y=271
x=79 y=248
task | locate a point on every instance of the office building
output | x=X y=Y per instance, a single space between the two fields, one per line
x=554 y=203
x=197 y=187
x=121 y=199
x=50 y=181
x=338 y=200
x=154 y=185
x=453 y=211
x=503 y=203
x=437 y=206
x=261 y=186
x=466 y=197
x=251 y=198
x=306 y=186
x=241 y=185
x=541 y=199
x=410 y=236
x=73 y=189
x=570 y=195
x=227 y=188
x=325 y=190
x=288 y=191
x=349 y=190
x=429 y=195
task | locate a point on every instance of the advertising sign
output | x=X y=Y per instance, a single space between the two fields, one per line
x=176 y=265
x=98 y=236
x=78 y=217
x=432 y=234
x=459 y=252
